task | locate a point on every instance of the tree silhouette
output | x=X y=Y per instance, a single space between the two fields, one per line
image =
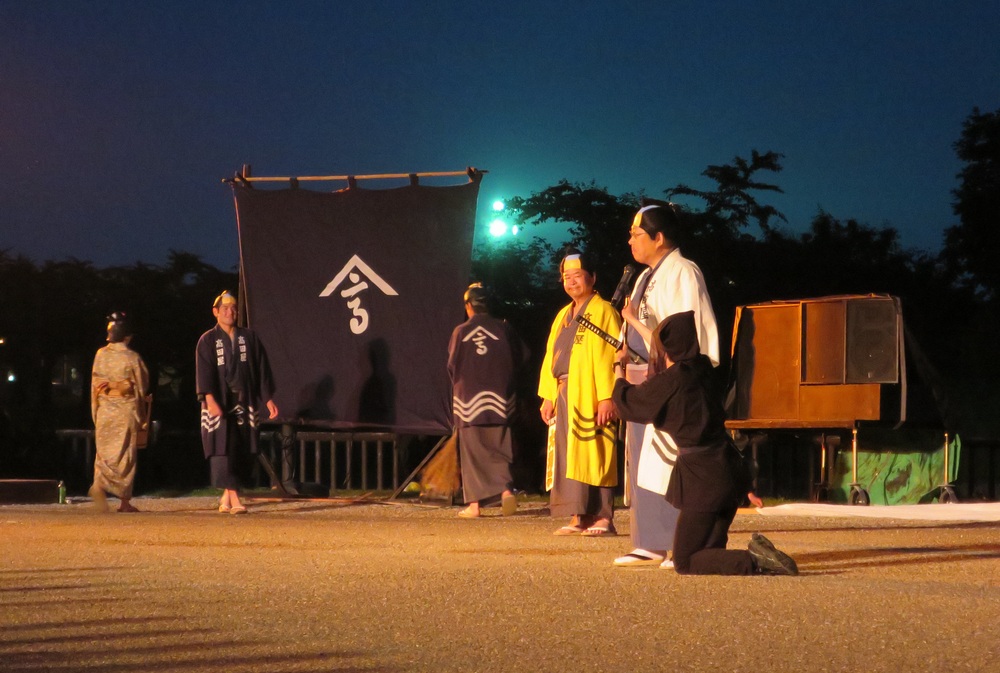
x=597 y=221
x=731 y=205
x=972 y=245
x=833 y=257
x=54 y=315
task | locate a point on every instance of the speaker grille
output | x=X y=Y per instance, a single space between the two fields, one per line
x=872 y=344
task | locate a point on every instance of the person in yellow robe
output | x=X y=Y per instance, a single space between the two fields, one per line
x=118 y=389
x=575 y=385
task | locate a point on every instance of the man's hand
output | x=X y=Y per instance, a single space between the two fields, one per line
x=629 y=316
x=272 y=408
x=548 y=411
x=618 y=366
x=622 y=357
x=213 y=407
x=605 y=411
x=628 y=313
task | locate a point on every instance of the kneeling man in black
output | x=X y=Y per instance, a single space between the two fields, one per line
x=708 y=481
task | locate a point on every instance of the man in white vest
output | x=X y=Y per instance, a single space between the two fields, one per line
x=671 y=284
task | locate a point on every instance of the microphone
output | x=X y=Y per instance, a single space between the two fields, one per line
x=624 y=285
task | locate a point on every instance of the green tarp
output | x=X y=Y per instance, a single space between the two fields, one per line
x=896 y=467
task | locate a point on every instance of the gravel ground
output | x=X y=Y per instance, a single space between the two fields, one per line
x=319 y=586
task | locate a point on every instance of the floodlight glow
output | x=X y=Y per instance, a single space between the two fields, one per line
x=514 y=230
x=498 y=205
x=11 y=378
x=498 y=227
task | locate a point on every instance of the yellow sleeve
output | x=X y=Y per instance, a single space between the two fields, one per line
x=548 y=387
x=603 y=357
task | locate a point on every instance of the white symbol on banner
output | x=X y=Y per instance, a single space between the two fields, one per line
x=479 y=337
x=359 y=319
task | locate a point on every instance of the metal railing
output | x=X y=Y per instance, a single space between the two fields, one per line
x=340 y=460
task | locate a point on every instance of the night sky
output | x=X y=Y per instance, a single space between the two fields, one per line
x=118 y=120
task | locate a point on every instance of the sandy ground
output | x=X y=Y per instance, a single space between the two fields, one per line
x=322 y=586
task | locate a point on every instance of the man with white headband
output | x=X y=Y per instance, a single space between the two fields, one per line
x=671 y=284
x=234 y=385
x=575 y=385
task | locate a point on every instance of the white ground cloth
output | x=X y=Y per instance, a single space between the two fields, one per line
x=980 y=511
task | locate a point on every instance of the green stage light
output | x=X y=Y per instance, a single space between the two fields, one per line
x=498 y=228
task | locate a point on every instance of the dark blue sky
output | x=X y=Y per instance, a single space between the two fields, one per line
x=119 y=119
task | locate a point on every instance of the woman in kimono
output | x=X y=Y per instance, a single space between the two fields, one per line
x=118 y=390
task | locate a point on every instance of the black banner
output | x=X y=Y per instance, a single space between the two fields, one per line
x=355 y=294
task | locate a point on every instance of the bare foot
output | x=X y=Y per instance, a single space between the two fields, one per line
x=508 y=504
x=600 y=527
x=100 y=499
x=470 y=512
x=236 y=507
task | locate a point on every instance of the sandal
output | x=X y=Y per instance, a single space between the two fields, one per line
x=639 y=558
x=238 y=509
x=605 y=530
x=508 y=505
x=570 y=530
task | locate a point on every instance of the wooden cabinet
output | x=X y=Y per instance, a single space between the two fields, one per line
x=816 y=361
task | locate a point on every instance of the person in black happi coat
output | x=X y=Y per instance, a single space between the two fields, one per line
x=235 y=386
x=484 y=354
x=709 y=479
